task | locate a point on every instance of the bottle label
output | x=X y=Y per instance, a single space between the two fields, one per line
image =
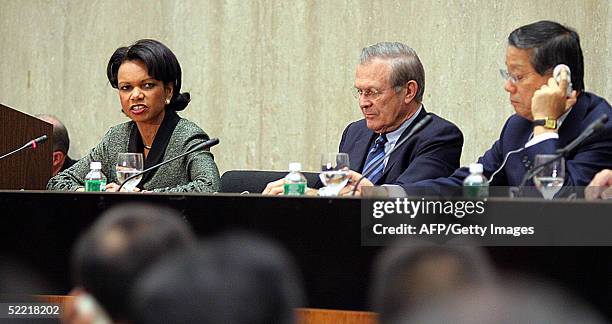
x=95 y=185
x=294 y=189
x=475 y=191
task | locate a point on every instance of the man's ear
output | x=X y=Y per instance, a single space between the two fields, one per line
x=58 y=158
x=411 y=91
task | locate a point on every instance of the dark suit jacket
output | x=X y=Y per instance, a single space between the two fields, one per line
x=581 y=165
x=432 y=152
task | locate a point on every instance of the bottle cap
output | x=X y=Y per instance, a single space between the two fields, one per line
x=95 y=165
x=295 y=166
x=475 y=168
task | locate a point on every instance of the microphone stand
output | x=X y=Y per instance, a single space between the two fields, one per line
x=31 y=144
x=595 y=127
x=209 y=143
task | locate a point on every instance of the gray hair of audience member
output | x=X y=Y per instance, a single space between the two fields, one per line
x=516 y=301
x=237 y=278
x=121 y=244
x=413 y=272
x=61 y=140
x=404 y=61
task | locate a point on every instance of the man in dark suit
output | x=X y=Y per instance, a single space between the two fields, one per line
x=389 y=83
x=546 y=117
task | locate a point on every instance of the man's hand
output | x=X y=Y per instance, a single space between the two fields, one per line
x=350 y=186
x=551 y=101
x=275 y=188
x=600 y=186
x=113 y=187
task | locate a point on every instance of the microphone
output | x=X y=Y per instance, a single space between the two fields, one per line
x=417 y=127
x=557 y=76
x=595 y=127
x=33 y=144
x=210 y=143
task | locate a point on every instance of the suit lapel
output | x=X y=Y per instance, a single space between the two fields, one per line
x=397 y=154
x=569 y=130
x=360 y=152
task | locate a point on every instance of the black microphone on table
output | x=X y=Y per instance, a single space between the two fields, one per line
x=417 y=127
x=33 y=144
x=594 y=128
x=210 y=143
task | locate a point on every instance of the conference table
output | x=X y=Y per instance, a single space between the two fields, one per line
x=323 y=234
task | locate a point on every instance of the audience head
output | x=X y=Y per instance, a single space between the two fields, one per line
x=19 y=278
x=516 y=301
x=122 y=243
x=161 y=64
x=533 y=52
x=389 y=83
x=61 y=141
x=417 y=272
x=236 y=278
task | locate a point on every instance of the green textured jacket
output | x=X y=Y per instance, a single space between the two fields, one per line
x=197 y=172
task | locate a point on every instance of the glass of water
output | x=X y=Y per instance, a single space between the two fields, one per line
x=334 y=173
x=550 y=178
x=129 y=164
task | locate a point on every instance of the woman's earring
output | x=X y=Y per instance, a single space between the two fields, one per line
x=167 y=101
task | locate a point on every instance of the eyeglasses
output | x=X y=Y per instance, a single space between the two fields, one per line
x=512 y=77
x=369 y=94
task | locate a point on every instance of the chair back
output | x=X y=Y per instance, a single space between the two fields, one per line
x=255 y=181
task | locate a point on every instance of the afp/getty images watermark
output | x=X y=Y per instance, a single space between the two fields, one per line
x=488 y=222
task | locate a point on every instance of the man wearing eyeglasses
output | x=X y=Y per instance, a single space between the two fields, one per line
x=547 y=117
x=389 y=84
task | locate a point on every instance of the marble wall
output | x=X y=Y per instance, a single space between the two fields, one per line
x=272 y=79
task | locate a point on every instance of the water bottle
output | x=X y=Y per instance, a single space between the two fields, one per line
x=295 y=182
x=476 y=184
x=95 y=179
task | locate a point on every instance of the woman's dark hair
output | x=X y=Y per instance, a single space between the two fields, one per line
x=161 y=64
x=551 y=44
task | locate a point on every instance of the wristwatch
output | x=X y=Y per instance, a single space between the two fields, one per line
x=547 y=122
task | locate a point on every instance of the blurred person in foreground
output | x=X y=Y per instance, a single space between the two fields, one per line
x=237 y=278
x=546 y=119
x=115 y=251
x=509 y=302
x=61 y=144
x=389 y=84
x=148 y=77
x=413 y=273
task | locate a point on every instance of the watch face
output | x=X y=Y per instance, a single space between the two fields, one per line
x=547 y=123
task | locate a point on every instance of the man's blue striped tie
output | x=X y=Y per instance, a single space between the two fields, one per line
x=376 y=154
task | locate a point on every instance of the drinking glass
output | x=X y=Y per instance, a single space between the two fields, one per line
x=334 y=173
x=550 y=178
x=129 y=164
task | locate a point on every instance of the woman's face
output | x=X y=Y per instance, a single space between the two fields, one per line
x=143 y=98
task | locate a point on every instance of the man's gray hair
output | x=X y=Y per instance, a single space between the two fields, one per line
x=404 y=61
